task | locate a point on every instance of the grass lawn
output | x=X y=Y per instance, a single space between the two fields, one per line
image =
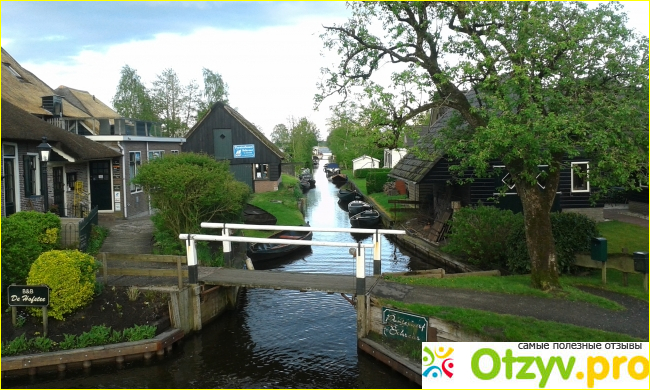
x=283 y=204
x=381 y=200
x=503 y=327
x=624 y=235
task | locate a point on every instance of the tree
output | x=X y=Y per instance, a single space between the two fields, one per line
x=347 y=138
x=214 y=90
x=533 y=83
x=170 y=99
x=189 y=188
x=131 y=99
x=281 y=136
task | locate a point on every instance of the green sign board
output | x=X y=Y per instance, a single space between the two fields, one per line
x=400 y=325
x=28 y=295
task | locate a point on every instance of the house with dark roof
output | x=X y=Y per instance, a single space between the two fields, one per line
x=429 y=180
x=71 y=161
x=225 y=134
x=134 y=142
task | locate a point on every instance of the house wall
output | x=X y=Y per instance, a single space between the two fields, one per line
x=638 y=201
x=201 y=140
x=367 y=162
x=392 y=157
x=266 y=185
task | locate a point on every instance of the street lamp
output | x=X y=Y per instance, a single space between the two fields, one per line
x=44 y=150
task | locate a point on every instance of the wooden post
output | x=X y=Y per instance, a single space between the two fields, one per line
x=361 y=271
x=13 y=315
x=44 y=321
x=180 y=272
x=376 y=254
x=192 y=266
x=604 y=272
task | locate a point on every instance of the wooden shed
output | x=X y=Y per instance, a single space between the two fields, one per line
x=364 y=162
x=226 y=135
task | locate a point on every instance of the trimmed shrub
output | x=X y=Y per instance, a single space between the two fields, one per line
x=572 y=233
x=70 y=274
x=25 y=235
x=375 y=181
x=363 y=172
x=480 y=234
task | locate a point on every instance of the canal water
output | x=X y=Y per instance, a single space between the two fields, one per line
x=275 y=339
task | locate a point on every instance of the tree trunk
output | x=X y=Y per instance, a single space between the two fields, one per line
x=537 y=205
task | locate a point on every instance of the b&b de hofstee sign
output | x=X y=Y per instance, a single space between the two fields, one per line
x=28 y=295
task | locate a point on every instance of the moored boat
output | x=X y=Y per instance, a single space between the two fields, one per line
x=331 y=169
x=346 y=195
x=268 y=251
x=254 y=215
x=305 y=185
x=357 y=206
x=365 y=219
x=339 y=179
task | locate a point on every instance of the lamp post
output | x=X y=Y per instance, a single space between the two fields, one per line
x=44 y=150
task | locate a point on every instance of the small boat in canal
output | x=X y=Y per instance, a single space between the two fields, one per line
x=357 y=206
x=365 y=219
x=267 y=251
x=305 y=185
x=346 y=195
x=306 y=175
x=339 y=179
x=254 y=215
x=331 y=169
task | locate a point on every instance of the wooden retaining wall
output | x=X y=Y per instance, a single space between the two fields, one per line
x=123 y=264
x=87 y=357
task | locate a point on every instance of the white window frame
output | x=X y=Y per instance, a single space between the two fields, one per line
x=16 y=173
x=573 y=174
x=174 y=151
x=133 y=173
x=262 y=170
x=152 y=154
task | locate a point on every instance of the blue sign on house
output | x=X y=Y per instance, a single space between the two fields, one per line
x=243 y=151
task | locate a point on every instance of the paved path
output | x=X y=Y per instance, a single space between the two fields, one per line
x=134 y=235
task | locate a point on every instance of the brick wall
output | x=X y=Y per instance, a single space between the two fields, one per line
x=266 y=185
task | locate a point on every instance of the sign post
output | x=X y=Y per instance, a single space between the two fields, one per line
x=34 y=296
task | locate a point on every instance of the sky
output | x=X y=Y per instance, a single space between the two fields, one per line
x=269 y=53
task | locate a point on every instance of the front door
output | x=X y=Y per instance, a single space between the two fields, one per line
x=59 y=190
x=9 y=187
x=100 y=185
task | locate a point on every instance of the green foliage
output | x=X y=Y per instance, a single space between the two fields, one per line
x=25 y=235
x=69 y=342
x=480 y=234
x=297 y=139
x=375 y=181
x=97 y=236
x=16 y=346
x=70 y=274
x=139 y=332
x=132 y=99
x=572 y=233
x=98 y=335
x=42 y=344
x=363 y=172
x=188 y=189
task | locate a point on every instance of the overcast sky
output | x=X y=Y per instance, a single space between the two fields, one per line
x=269 y=53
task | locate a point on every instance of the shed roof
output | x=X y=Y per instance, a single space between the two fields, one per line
x=413 y=168
x=19 y=125
x=22 y=88
x=248 y=125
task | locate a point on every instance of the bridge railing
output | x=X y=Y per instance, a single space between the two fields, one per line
x=227 y=238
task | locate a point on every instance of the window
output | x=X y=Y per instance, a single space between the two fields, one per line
x=174 y=151
x=29 y=173
x=134 y=166
x=579 y=177
x=155 y=154
x=261 y=171
x=12 y=70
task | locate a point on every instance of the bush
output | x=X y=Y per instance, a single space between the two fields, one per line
x=363 y=172
x=70 y=274
x=25 y=235
x=480 y=234
x=572 y=233
x=375 y=181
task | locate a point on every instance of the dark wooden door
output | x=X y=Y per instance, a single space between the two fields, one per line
x=100 y=185
x=58 y=190
x=222 y=144
x=10 y=187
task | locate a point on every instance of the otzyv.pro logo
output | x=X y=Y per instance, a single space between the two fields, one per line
x=535 y=365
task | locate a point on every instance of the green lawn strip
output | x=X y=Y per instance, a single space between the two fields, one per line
x=283 y=204
x=360 y=183
x=624 y=235
x=614 y=282
x=515 y=284
x=381 y=199
x=503 y=327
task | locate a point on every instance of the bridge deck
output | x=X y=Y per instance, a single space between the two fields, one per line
x=282 y=280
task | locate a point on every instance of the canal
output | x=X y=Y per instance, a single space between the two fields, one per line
x=275 y=339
